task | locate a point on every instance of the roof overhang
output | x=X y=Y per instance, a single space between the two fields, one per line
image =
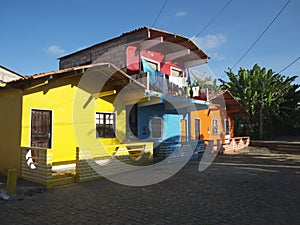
x=176 y=102
x=115 y=79
x=232 y=106
x=109 y=78
x=150 y=39
x=179 y=40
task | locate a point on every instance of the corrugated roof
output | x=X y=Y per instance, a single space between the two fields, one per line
x=55 y=72
x=107 y=70
x=152 y=33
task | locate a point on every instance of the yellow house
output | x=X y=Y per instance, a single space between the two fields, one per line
x=10 y=121
x=10 y=132
x=59 y=121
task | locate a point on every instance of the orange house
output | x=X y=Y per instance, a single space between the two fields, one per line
x=217 y=122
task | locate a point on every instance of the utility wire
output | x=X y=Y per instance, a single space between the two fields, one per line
x=289 y=65
x=214 y=18
x=162 y=8
x=260 y=36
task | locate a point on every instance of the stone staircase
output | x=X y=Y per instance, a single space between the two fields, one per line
x=289 y=147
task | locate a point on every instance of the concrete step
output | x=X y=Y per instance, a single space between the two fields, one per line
x=286 y=146
x=62 y=179
x=288 y=150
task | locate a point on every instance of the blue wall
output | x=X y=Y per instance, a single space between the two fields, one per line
x=171 y=122
x=172 y=131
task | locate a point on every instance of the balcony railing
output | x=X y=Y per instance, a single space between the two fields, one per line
x=174 y=86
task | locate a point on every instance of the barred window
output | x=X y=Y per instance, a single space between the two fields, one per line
x=156 y=126
x=105 y=125
x=215 y=126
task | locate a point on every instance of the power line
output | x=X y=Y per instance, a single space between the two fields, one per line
x=260 y=36
x=162 y=8
x=289 y=65
x=214 y=18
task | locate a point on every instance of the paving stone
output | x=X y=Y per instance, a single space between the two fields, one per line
x=235 y=189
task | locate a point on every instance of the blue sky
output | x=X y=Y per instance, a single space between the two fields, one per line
x=36 y=32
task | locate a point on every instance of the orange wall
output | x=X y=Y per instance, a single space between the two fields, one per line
x=231 y=127
x=206 y=117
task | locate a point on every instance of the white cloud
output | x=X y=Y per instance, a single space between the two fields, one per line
x=55 y=50
x=210 y=41
x=180 y=14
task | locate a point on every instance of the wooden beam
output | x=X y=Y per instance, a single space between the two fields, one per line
x=104 y=94
x=176 y=55
x=151 y=43
x=37 y=85
x=195 y=63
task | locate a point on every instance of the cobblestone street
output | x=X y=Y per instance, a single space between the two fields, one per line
x=257 y=188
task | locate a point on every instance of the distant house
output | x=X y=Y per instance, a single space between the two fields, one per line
x=10 y=121
x=64 y=121
x=7 y=75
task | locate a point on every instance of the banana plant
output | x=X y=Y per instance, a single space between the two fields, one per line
x=268 y=97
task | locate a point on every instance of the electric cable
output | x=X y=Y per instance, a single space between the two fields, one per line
x=162 y=8
x=289 y=65
x=260 y=36
x=214 y=18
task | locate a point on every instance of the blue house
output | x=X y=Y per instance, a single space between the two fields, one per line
x=164 y=116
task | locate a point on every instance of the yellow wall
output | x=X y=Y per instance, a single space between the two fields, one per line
x=10 y=129
x=59 y=96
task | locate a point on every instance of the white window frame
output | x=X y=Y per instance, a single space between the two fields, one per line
x=114 y=124
x=152 y=61
x=229 y=122
x=212 y=123
x=174 y=68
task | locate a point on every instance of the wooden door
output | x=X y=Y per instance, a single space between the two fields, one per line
x=41 y=128
x=197 y=129
x=183 y=130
